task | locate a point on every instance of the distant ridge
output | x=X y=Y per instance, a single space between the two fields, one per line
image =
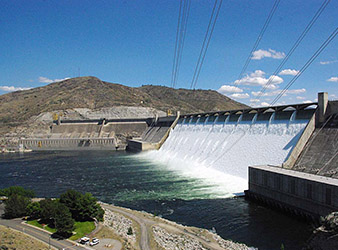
x=91 y=92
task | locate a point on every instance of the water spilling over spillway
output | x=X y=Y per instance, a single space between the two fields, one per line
x=222 y=148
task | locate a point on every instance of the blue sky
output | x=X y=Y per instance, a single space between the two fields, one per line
x=132 y=43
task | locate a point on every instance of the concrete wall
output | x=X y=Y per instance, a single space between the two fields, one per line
x=294 y=191
x=156 y=134
x=74 y=144
x=76 y=130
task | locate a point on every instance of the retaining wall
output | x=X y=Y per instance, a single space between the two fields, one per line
x=73 y=143
x=297 y=192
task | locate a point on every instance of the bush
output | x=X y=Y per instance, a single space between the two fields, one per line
x=83 y=207
x=15 y=206
x=130 y=231
x=64 y=223
x=47 y=210
x=330 y=222
x=18 y=191
x=34 y=210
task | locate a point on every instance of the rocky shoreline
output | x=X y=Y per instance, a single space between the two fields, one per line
x=164 y=234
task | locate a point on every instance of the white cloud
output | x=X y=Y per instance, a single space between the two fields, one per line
x=257 y=79
x=240 y=96
x=254 y=100
x=300 y=98
x=265 y=104
x=308 y=101
x=328 y=62
x=276 y=92
x=291 y=72
x=47 y=80
x=12 y=88
x=260 y=54
x=333 y=79
x=229 y=89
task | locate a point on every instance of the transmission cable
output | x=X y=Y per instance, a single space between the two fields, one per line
x=186 y=10
x=259 y=38
x=306 y=65
x=182 y=22
x=176 y=44
x=295 y=45
x=206 y=41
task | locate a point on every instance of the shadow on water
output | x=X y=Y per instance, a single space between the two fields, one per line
x=115 y=177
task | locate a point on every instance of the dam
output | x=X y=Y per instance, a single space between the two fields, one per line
x=279 y=155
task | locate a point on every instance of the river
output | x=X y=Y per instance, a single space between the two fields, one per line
x=137 y=182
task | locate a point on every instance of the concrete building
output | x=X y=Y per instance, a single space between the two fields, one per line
x=307 y=183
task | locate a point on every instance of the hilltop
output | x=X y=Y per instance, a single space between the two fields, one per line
x=92 y=93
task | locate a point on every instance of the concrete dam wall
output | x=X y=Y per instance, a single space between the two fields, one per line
x=88 y=134
x=231 y=142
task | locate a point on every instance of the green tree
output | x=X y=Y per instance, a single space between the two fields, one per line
x=47 y=212
x=34 y=210
x=64 y=223
x=15 y=206
x=89 y=207
x=72 y=199
x=83 y=207
x=18 y=191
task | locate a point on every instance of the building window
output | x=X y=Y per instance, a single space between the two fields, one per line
x=309 y=191
x=328 y=196
x=278 y=182
x=254 y=176
x=265 y=179
x=293 y=186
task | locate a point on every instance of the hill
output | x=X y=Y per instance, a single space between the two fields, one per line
x=92 y=93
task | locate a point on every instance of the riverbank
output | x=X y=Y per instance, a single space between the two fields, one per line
x=146 y=231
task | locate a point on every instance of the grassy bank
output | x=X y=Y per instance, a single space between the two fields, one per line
x=11 y=239
x=80 y=228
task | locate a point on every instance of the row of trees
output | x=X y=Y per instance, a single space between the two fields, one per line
x=59 y=213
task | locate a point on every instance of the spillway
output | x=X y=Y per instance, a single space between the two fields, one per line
x=222 y=147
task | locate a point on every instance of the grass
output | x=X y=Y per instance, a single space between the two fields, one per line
x=80 y=228
x=13 y=239
x=37 y=224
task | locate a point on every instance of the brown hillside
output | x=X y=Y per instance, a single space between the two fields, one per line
x=91 y=92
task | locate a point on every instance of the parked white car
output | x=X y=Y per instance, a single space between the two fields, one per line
x=94 y=242
x=84 y=240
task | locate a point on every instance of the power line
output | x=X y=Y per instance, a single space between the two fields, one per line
x=180 y=38
x=185 y=16
x=259 y=38
x=306 y=65
x=206 y=41
x=176 y=43
x=295 y=45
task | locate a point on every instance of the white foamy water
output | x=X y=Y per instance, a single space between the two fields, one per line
x=220 y=152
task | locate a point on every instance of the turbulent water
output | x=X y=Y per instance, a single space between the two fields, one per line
x=138 y=182
x=221 y=152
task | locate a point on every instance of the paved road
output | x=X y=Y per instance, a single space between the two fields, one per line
x=144 y=241
x=146 y=224
x=36 y=233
